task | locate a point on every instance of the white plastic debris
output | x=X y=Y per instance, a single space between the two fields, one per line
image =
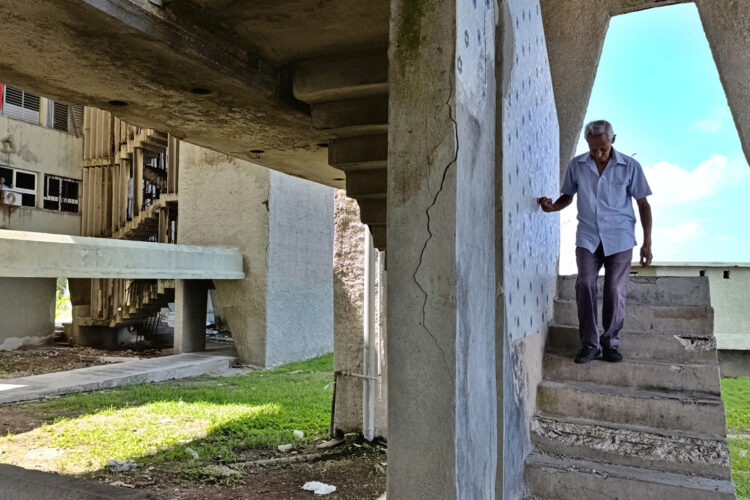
x=284 y=447
x=299 y=434
x=191 y=452
x=121 y=465
x=319 y=488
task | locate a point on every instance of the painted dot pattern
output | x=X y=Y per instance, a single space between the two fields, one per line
x=530 y=170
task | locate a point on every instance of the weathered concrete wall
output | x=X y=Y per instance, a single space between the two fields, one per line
x=729 y=297
x=531 y=238
x=283 y=226
x=41 y=221
x=348 y=297
x=442 y=407
x=299 y=304
x=29 y=304
x=28 y=314
x=223 y=201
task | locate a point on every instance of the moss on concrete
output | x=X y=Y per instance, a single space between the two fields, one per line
x=410 y=30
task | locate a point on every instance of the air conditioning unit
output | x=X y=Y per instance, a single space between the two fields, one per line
x=11 y=198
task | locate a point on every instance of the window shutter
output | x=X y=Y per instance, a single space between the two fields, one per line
x=21 y=105
x=77 y=120
x=60 y=117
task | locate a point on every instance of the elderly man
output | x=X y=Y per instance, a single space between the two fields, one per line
x=605 y=181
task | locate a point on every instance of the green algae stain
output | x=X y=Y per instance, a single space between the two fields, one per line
x=410 y=30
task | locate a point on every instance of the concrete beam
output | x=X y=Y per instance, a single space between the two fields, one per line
x=43 y=255
x=181 y=78
x=335 y=79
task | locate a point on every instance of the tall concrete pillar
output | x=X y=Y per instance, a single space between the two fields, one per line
x=190 y=303
x=348 y=296
x=442 y=397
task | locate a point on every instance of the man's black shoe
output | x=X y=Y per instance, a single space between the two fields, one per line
x=612 y=355
x=587 y=355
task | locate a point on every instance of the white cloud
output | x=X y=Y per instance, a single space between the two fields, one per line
x=712 y=124
x=672 y=184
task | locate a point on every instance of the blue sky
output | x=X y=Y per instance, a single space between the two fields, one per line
x=658 y=85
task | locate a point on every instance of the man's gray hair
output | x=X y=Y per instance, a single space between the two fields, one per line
x=598 y=127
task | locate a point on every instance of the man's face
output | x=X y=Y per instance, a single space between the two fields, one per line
x=2 y=180
x=600 y=147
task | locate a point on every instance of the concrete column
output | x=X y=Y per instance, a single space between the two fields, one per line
x=190 y=303
x=348 y=294
x=442 y=397
x=575 y=33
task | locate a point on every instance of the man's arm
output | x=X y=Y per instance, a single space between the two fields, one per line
x=644 y=209
x=549 y=206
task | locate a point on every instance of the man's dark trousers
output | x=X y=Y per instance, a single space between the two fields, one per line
x=616 y=272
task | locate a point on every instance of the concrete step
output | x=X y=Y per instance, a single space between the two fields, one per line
x=675 y=348
x=693 y=412
x=681 y=320
x=669 y=451
x=653 y=290
x=640 y=373
x=565 y=478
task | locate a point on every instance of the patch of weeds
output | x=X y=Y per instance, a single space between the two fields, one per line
x=736 y=395
x=739 y=451
x=153 y=423
x=206 y=474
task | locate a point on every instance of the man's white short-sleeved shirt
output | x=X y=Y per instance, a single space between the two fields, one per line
x=605 y=207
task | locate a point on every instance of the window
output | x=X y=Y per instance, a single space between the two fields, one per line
x=21 y=105
x=65 y=118
x=61 y=193
x=23 y=182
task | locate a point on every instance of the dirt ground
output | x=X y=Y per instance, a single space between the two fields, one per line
x=49 y=359
x=357 y=473
x=358 y=470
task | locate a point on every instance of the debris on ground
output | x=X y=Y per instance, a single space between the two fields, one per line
x=285 y=447
x=121 y=465
x=298 y=434
x=222 y=470
x=191 y=452
x=329 y=444
x=122 y=485
x=319 y=488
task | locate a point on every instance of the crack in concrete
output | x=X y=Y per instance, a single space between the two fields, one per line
x=429 y=230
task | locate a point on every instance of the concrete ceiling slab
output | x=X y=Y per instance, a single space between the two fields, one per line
x=182 y=69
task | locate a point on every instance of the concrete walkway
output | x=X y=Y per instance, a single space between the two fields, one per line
x=115 y=375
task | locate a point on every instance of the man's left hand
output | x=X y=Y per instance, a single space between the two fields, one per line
x=646 y=255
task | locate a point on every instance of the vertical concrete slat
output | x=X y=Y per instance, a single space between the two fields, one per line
x=83 y=202
x=137 y=181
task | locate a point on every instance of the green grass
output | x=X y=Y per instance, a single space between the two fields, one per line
x=217 y=417
x=736 y=395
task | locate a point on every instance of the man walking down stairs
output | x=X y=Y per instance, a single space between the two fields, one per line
x=649 y=427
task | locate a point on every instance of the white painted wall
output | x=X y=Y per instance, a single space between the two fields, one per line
x=729 y=297
x=300 y=270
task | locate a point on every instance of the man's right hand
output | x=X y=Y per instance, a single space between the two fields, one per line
x=547 y=204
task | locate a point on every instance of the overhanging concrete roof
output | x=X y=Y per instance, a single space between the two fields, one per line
x=41 y=255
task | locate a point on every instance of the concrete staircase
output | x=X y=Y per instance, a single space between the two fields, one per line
x=144 y=303
x=650 y=427
x=146 y=224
